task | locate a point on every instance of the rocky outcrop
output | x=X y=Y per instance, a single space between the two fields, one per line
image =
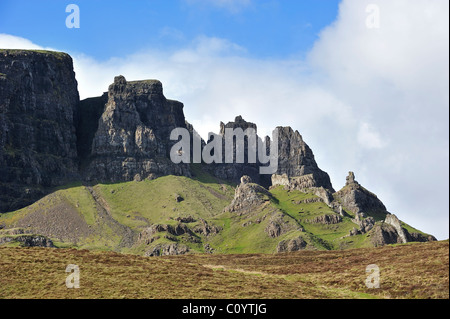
x=206 y=229
x=28 y=240
x=167 y=250
x=296 y=159
x=248 y=196
x=176 y=230
x=365 y=223
x=392 y=220
x=291 y=245
x=278 y=225
x=384 y=234
x=235 y=170
x=305 y=183
x=391 y=232
x=325 y=219
x=357 y=199
x=133 y=137
x=38 y=112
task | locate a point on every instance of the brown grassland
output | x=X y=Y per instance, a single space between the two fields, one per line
x=416 y=270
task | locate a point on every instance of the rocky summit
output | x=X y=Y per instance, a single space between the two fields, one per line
x=97 y=174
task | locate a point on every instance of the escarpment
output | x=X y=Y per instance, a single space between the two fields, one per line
x=49 y=138
x=38 y=112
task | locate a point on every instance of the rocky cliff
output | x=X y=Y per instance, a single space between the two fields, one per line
x=38 y=111
x=132 y=138
x=295 y=159
x=50 y=138
x=235 y=170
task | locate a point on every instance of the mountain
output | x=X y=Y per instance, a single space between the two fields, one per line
x=98 y=174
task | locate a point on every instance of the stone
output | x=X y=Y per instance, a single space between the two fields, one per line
x=326 y=220
x=357 y=199
x=392 y=220
x=171 y=249
x=205 y=229
x=133 y=136
x=248 y=196
x=291 y=245
x=296 y=159
x=38 y=114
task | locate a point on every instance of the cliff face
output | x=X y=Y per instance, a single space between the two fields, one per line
x=296 y=159
x=38 y=108
x=132 y=139
x=234 y=171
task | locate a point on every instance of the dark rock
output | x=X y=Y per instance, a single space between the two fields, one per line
x=291 y=245
x=38 y=112
x=326 y=219
x=234 y=171
x=365 y=223
x=273 y=229
x=384 y=234
x=133 y=137
x=178 y=198
x=296 y=159
x=28 y=240
x=187 y=220
x=208 y=249
x=167 y=250
x=357 y=199
x=206 y=229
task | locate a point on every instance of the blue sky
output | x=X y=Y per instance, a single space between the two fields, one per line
x=372 y=100
x=266 y=28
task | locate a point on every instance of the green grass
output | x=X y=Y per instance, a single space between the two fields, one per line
x=123 y=210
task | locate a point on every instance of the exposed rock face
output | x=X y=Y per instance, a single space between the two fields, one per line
x=392 y=232
x=295 y=159
x=384 y=234
x=305 y=183
x=392 y=220
x=278 y=226
x=90 y=111
x=234 y=171
x=206 y=229
x=326 y=219
x=167 y=250
x=133 y=136
x=291 y=245
x=248 y=196
x=358 y=199
x=28 y=240
x=365 y=223
x=38 y=111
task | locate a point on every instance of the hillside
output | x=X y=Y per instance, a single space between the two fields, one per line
x=174 y=215
x=418 y=270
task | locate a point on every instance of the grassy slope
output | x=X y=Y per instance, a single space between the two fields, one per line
x=101 y=216
x=418 y=270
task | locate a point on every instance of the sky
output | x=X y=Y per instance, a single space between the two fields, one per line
x=365 y=82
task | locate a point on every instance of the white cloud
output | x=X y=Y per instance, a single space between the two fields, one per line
x=374 y=101
x=8 y=41
x=369 y=138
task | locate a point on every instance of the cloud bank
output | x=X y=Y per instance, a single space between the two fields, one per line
x=374 y=101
